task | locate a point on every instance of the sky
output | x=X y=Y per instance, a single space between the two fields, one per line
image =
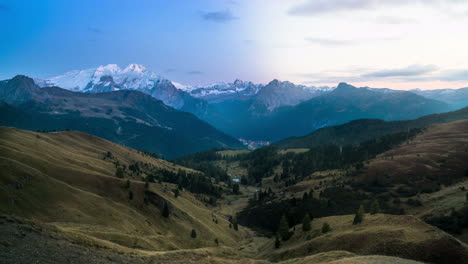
x=398 y=44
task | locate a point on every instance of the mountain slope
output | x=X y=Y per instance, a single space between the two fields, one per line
x=341 y=105
x=127 y=117
x=456 y=98
x=134 y=77
x=361 y=130
x=67 y=181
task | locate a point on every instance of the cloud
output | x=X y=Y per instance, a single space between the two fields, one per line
x=94 y=30
x=345 y=42
x=315 y=7
x=194 y=72
x=170 y=70
x=392 y=20
x=412 y=70
x=219 y=16
x=453 y=75
x=330 y=42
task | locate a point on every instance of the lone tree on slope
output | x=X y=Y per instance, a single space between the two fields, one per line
x=359 y=215
x=165 y=212
x=306 y=223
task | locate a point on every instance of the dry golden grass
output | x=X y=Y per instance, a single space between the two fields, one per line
x=442 y=149
x=62 y=180
x=391 y=235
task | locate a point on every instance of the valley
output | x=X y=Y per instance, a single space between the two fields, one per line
x=64 y=190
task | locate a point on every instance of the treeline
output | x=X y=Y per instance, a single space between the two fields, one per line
x=338 y=200
x=193 y=182
x=295 y=166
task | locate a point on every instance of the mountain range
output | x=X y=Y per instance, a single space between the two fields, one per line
x=272 y=111
x=127 y=117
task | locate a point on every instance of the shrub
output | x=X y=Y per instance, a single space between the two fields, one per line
x=326 y=228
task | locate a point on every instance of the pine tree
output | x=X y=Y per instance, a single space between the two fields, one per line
x=176 y=193
x=234 y=223
x=306 y=223
x=119 y=172
x=193 y=234
x=216 y=242
x=375 y=209
x=165 y=212
x=326 y=228
x=277 y=242
x=283 y=228
x=359 y=215
x=235 y=188
x=130 y=195
x=127 y=184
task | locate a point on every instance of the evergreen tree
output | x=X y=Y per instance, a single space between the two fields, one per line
x=359 y=215
x=277 y=242
x=127 y=184
x=467 y=197
x=283 y=228
x=326 y=228
x=119 y=172
x=176 y=193
x=130 y=195
x=375 y=209
x=235 y=188
x=193 y=234
x=306 y=223
x=234 y=223
x=146 y=184
x=165 y=212
x=216 y=241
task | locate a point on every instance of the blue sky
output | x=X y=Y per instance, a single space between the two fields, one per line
x=399 y=44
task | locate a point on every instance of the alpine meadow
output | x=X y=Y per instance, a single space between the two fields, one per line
x=234 y=131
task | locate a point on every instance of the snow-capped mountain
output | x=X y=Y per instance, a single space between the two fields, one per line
x=134 y=77
x=223 y=91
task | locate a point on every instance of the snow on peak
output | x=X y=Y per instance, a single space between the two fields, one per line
x=134 y=76
x=135 y=68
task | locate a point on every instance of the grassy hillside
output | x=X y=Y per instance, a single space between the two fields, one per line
x=60 y=200
x=68 y=181
x=402 y=236
x=361 y=130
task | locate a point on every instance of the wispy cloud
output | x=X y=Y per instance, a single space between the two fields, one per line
x=94 y=30
x=315 y=7
x=194 y=72
x=454 y=75
x=170 y=70
x=330 y=42
x=219 y=16
x=412 y=70
x=345 y=42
